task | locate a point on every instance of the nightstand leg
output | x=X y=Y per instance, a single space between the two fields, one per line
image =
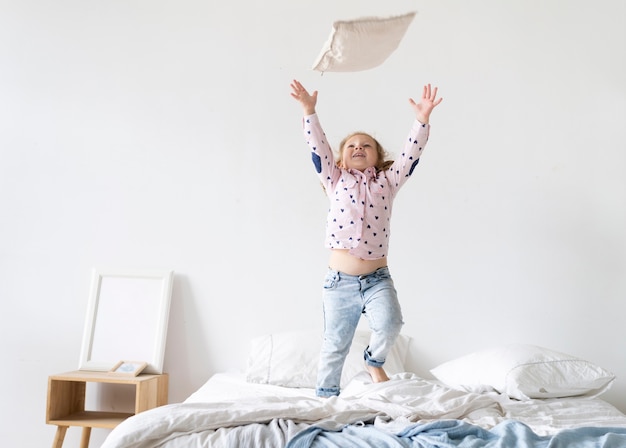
x=84 y=439
x=59 y=436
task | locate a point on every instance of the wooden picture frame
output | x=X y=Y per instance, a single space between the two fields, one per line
x=129 y=368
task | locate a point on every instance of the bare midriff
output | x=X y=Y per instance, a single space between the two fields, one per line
x=341 y=260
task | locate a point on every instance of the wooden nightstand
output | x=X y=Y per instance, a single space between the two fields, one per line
x=66 y=401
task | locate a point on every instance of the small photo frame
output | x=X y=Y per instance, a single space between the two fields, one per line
x=128 y=368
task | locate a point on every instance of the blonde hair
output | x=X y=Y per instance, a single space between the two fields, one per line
x=382 y=163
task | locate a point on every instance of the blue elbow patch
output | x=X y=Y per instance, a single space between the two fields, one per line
x=317 y=162
x=413 y=166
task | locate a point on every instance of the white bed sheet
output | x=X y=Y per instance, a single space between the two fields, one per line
x=230 y=386
x=553 y=415
x=547 y=416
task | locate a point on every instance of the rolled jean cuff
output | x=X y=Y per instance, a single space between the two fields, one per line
x=371 y=362
x=327 y=391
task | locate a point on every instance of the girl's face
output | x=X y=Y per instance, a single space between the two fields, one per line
x=359 y=153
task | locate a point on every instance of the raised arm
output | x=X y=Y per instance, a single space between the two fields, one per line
x=321 y=152
x=306 y=100
x=426 y=105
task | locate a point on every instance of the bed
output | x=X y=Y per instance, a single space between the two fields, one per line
x=515 y=395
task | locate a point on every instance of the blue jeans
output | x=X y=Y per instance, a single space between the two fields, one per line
x=346 y=297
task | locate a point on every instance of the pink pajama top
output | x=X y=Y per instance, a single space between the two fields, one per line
x=359 y=216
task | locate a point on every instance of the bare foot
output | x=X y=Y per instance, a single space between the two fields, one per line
x=378 y=374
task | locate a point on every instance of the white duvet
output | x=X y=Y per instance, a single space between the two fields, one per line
x=228 y=412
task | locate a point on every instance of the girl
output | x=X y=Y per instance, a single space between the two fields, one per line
x=361 y=186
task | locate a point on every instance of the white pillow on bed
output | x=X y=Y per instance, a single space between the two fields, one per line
x=524 y=372
x=362 y=44
x=291 y=359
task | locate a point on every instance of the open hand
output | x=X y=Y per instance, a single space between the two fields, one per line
x=306 y=100
x=428 y=102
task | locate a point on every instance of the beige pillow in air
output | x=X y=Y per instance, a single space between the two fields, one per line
x=362 y=44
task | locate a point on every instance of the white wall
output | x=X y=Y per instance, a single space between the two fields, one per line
x=156 y=134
